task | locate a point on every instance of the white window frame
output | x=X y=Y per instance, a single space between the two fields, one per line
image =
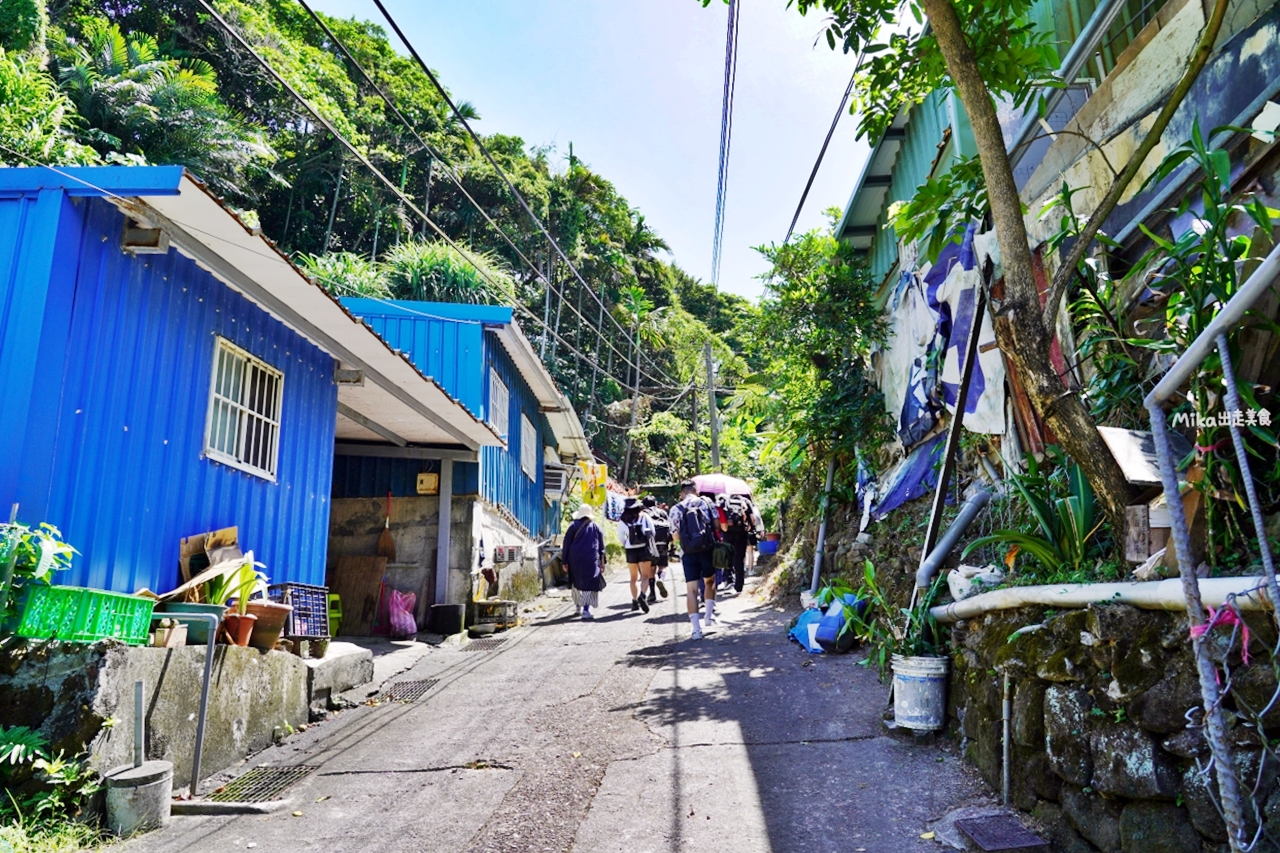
x=230 y=408
x=499 y=405
x=528 y=448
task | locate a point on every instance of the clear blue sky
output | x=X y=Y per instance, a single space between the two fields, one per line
x=636 y=87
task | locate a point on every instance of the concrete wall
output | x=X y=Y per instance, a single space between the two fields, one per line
x=517 y=581
x=67 y=692
x=356 y=523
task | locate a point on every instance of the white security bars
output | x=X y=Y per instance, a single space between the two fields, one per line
x=243 y=425
x=499 y=405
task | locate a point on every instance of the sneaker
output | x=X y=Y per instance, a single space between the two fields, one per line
x=644 y=605
x=586 y=614
x=662 y=588
x=696 y=635
x=635 y=605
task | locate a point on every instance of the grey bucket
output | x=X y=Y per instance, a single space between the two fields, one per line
x=920 y=692
x=138 y=798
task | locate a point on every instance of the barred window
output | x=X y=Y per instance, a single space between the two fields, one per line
x=243 y=426
x=528 y=448
x=499 y=404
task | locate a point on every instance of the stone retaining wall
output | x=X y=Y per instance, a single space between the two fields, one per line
x=1103 y=752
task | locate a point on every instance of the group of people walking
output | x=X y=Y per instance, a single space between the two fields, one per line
x=696 y=527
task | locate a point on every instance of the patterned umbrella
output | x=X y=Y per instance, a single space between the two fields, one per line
x=720 y=484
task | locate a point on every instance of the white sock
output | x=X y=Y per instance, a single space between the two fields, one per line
x=711 y=608
x=697 y=626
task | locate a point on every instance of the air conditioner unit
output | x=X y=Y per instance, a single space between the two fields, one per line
x=508 y=553
x=556 y=481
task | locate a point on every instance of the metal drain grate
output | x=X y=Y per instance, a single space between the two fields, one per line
x=408 y=691
x=487 y=644
x=999 y=832
x=260 y=785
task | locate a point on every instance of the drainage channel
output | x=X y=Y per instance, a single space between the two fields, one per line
x=407 y=691
x=260 y=785
x=487 y=644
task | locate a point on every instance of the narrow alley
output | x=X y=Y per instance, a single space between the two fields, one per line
x=617 y=735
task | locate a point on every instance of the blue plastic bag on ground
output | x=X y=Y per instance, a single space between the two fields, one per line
x=802 y=632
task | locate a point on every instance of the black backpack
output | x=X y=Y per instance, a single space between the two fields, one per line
x=737 y=512
x=635 y=532
x=698 y=527
x=661 y=526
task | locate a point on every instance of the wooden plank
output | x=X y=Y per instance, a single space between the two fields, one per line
x=1137 y=533
x=357 y=581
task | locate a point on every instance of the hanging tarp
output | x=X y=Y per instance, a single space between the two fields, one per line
x=907 y=364
x=915 y=476
x=951 y=286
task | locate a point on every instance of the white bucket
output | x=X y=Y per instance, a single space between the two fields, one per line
x=920 y=692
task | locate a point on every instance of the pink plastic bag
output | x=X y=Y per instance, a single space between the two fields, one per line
x=400 y=612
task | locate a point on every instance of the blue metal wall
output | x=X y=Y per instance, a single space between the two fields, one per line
x=445 y=341
x=448 y=342
x=501 y=479
x=122 y=385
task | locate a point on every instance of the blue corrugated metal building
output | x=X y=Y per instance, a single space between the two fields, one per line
x=167 y=372
x=466 y=348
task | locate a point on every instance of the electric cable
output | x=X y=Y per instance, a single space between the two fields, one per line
x=726 y=134
x=408 y=202
x=435 y=82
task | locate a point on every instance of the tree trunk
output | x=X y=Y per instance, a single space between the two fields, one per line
x=1019 y=324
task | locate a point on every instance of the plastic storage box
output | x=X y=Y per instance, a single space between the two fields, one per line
x=310 y=617
x=81 y=615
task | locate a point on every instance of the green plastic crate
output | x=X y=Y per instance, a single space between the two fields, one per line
x=81 y=615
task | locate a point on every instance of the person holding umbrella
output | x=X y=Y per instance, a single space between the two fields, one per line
x=583 y=556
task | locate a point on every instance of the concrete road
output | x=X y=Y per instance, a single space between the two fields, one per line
x=617 y=735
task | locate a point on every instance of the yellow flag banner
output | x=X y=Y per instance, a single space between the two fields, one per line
x=594 y=479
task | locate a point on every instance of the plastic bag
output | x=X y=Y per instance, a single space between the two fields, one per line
x=400 y=611
x=967 y=581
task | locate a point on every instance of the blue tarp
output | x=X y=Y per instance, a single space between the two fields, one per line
x=915 y=477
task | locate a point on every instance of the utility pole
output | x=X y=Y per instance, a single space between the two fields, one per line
x=635 y=407
x=713 y=416
x=426 y=197
x=333 y=211
x=697 y=463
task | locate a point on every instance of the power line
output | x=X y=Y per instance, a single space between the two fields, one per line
x=453 y=177
x=726 y=133
x=844 y=101
x=408 y=202
x=413 y=51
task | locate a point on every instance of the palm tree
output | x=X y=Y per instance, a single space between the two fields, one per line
x=136 y=101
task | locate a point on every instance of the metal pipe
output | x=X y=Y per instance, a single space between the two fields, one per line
x=1246 y=594
x=1074 y=62
x=1229 y=316
x=139 y=726
x=931 y=563
x=822 y=528
x=204 y=689
x=1005 y=717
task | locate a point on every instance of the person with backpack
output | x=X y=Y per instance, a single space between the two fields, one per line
x=738 y=520
x=635 y=531
x=661 y=538
x=583 y=555
x=695 y=530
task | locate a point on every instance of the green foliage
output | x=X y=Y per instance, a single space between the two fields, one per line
x=22 y=25
x=37 y=122
x=20 y=745
x=902 y=63
x=63 y=784
x=1067 y=522
x=888 y=630
x=437 y=272
x=137 y=101
x=29 y=555
x=812 y=338
x=346 y=274
x=941 y=207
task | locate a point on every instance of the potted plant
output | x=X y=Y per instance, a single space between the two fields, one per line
x=905 y=640
x=28 y=556
x=271 y=619
x=237 y=624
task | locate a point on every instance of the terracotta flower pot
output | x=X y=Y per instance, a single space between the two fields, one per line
x=238 y=628
x=271 y=620
x=773 y=537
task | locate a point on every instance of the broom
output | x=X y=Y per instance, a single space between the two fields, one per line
x=386 y=543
